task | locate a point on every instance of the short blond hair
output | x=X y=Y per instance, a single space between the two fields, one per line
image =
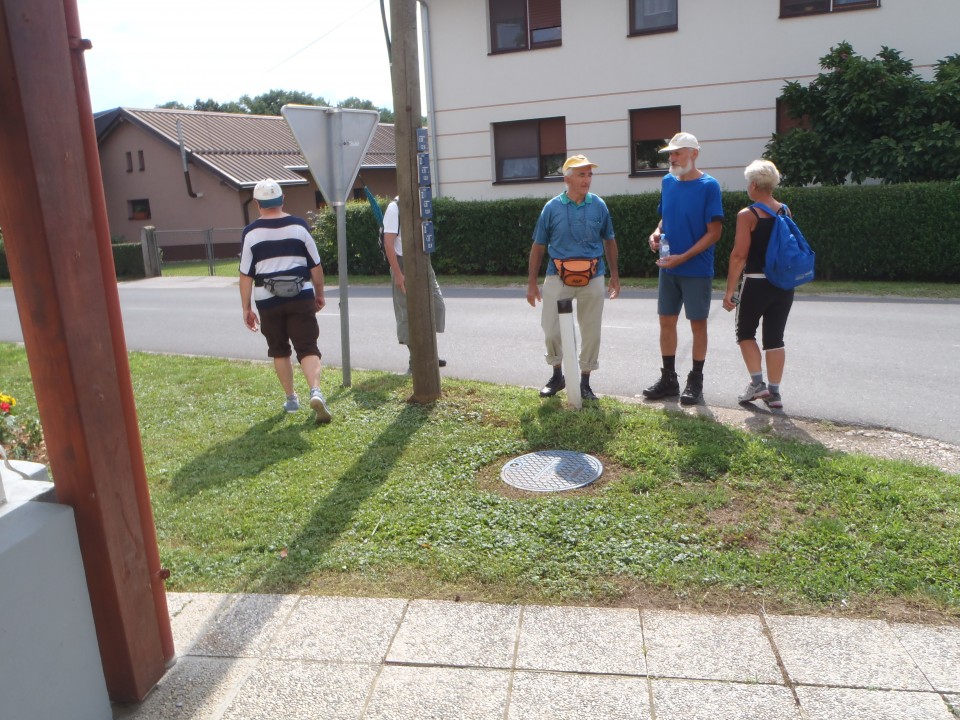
x=763 y=174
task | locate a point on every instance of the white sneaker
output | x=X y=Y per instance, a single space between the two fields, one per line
x=292 y=404
x=754 y=392
x=319 y=405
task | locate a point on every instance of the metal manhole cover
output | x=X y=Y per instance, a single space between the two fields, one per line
x=551 y=470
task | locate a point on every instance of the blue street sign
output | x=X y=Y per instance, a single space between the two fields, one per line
x=422 y=143
x=426 y=203
x=429 y=243
x=423 y=168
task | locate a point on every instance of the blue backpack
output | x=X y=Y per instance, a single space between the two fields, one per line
x=789 y=260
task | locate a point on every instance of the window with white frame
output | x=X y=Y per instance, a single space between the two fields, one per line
x=650 y=129
x=652 y=16
x=797 y=8
x=524 y=24
x=529 y=150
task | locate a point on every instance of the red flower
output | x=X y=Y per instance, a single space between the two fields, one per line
x=5 y=407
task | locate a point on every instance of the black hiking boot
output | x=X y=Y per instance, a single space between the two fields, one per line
x=666 y=386
x=693 y=392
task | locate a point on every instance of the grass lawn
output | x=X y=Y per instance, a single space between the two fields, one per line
x=395 y=499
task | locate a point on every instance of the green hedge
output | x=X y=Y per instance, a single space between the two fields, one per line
x=907 y=232
x=127 y=261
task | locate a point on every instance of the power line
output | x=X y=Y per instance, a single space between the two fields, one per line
x=311 y=44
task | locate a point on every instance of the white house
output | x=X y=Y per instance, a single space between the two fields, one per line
x=514 y=86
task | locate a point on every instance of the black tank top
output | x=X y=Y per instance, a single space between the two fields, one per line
x=759 y=239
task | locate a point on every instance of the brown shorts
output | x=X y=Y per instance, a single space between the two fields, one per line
x=293 y=322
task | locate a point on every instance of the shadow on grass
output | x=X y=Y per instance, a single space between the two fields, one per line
x=244 y=457
x=332 y=516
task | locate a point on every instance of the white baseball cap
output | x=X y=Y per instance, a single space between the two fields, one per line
x=268 y=193
x=681 y=140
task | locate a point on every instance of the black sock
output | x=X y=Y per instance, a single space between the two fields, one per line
x=669 y=363
x=584 y=379
x=558 y=371
x=698 y=366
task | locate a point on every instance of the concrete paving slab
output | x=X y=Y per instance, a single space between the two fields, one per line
x=433 y=693
x=692 y=700
x=245 y=626
x=936 y=650
x=194 y=688
x=557 y=696
x=579 y=639
x=339 y=629
x=192 y=615
x=842 y=652
x=298 y=690
x=859 y=704
x=459 y=634
x=707 y=647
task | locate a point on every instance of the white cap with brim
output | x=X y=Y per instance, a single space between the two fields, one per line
x=681 y=140
x=268 y=193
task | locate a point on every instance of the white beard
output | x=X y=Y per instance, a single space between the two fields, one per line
x=680 y=171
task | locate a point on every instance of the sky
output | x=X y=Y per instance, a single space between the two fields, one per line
x=149 y=53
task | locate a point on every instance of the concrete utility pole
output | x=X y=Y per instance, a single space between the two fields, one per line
x=54 y=219
x=405 y=72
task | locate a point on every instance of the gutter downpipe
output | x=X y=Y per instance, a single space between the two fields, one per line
x=431 y=111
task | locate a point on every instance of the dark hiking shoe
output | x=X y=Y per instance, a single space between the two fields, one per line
x=693 y=392
x=586 y=393
x=666 y=386
x=554 y=385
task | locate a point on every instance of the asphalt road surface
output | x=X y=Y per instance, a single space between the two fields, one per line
x=869 y=361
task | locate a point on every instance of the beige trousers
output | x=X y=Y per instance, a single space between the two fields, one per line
x=589 y=308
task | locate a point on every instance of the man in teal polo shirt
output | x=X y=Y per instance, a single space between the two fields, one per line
x=574 y=225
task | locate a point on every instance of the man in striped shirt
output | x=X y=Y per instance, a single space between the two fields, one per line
x=280 y=272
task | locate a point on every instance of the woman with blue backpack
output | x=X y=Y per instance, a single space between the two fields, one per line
x=750 y=289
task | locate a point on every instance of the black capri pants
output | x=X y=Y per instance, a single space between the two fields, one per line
x=760 y=299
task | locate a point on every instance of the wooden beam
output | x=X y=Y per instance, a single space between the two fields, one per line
x=58 y=247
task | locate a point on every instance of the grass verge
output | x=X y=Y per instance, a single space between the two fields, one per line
x=399 y=499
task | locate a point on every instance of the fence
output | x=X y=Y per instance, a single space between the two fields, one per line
x=163 y=247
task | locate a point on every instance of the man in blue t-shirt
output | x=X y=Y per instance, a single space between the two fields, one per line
x=691 y=211
x=574 y=225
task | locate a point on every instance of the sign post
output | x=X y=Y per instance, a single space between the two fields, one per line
x=334 y=141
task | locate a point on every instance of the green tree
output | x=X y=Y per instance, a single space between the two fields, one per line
x=876 y=118
x=355 y=103
x=270 y=102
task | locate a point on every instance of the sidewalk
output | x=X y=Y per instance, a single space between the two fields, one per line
x=291 y=657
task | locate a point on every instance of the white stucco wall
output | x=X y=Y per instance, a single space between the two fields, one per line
x=724 y=67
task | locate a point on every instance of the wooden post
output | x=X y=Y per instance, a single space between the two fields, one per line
x=405 y=72
x=53 y=215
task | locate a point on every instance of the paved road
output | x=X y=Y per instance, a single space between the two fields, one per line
x=889 y=363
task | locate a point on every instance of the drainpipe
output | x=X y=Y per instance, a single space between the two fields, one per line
x=431 y=111
x=183 y=157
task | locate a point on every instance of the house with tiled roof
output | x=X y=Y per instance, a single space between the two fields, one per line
x=144 y=182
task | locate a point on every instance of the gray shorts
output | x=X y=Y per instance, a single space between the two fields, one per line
x=692 y=293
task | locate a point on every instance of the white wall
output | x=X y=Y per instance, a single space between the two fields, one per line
x=724 y=67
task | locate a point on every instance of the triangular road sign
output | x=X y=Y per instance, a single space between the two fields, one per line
x=334 y=141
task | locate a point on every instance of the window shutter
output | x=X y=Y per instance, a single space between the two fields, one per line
x=553 y=136
x=544 y=14
x=655 y=123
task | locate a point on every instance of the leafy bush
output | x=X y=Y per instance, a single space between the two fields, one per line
x=128 y=260
x=905 y=232
x=20 y=435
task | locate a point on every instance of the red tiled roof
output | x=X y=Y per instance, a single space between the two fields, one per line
x=242 y=149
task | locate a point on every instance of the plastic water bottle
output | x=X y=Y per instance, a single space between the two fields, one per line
x=664 y=247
